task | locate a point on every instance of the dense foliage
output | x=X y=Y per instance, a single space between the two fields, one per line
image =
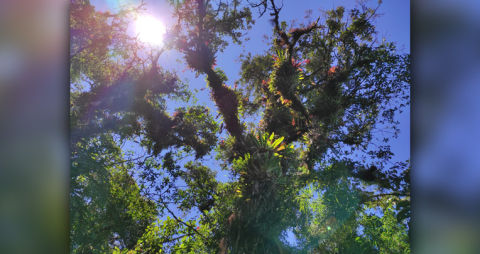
x=310 y=168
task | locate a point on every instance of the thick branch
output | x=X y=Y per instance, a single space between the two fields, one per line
x=225 y=98
x=281 y=33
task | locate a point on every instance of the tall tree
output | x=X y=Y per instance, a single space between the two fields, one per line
x=322 y=90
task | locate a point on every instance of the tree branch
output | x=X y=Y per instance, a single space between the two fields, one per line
x=178 y=220
x=391 y=194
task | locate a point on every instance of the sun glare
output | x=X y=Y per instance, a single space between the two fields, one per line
x=150 y=30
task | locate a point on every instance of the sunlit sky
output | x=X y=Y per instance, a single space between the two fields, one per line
x=149 y=30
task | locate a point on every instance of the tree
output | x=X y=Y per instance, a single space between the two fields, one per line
x=107 y=206
x=321 y=89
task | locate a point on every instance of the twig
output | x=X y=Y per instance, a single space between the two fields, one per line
x=177 y=219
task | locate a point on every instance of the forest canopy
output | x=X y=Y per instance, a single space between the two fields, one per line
x=297 y=133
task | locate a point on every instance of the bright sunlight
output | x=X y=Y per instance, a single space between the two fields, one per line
x=150 y=30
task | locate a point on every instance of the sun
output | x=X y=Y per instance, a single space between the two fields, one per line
x=150 y=30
